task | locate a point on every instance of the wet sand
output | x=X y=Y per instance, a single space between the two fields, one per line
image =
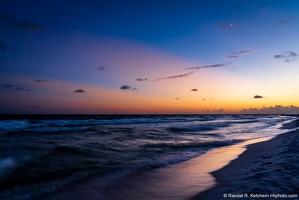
x=179 y=181
x=262 y=171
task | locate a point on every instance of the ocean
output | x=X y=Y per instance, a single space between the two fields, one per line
x=40 y=154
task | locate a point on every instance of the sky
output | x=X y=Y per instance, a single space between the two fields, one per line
x=149 y=57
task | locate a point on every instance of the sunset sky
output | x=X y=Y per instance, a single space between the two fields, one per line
x=151 y=56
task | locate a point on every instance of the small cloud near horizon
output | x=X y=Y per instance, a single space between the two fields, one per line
x=278 y=109
x=194 y=90
x=221 y=110
x=258 y=97
x=79 y=91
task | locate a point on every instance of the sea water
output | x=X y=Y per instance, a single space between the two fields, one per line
x=40 y=154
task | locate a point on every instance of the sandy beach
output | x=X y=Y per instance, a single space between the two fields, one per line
x=267 y=170
x=267 y=165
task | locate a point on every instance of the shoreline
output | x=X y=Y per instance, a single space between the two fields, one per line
x=178 y=181
x=265 y=168
x=199 y=178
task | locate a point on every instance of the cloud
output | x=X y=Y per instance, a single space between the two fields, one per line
x=279 y=56
x=79 y=91
x=227 y=25
x=175 y=76
x=223 y=25
x=13 y=87
x=141 y=79
x=22 y=25
x=101 y=68
x=278 y=109
x=41 y=80
x=287 y=56
x=125 y=87
x=206 y=66
x=28 y=26
x=284 y=21
x=237 y=54
x=221 y=110
x=292 y=53
x=194 y=90
x=258 y=97
x=176 y=98
x=5 y=19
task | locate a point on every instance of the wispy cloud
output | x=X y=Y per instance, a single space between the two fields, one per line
x=258 y=97
x=14 y=87
x=41 y=80
x=227 y=25
x=238 y=54
x=284 y=21
x=28 y=26
x=287 y=56
x=101 y=68
x=22 y=25
x=175 y=76
x=79 y=91
x=206 y=66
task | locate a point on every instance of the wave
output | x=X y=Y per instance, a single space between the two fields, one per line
x=191 y=145
x=189 y=129
x=53 y=124
x=75 y=147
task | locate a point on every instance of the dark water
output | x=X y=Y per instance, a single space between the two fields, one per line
x=40 y=154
